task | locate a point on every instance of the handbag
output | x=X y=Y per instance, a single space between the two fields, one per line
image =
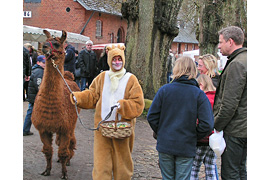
x=217 y=142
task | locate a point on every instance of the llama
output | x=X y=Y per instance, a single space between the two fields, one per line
x=53 y=111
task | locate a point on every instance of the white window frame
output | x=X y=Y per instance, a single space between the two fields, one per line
x=98 y=28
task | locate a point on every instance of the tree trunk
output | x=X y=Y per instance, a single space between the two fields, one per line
x=151 y=30
x=216 y=14
x=210 y=23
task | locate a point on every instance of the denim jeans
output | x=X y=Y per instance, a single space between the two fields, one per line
x=78 y=82
x=233 y=160
x=83 y=83
x=27 y=120
x=175 y=167
x=85 y=80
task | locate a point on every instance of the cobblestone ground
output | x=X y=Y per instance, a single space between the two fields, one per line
x=145 y=156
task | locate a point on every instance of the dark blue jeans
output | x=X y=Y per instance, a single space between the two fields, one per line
x=175 y=167
x=27 y=120
x=233 y=160
x=85 y=80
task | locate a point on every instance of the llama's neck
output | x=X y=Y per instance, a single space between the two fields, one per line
x=52 y=81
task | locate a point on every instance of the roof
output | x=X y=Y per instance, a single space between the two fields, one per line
x=104 y=6
x=31 y=33
x=185 y=35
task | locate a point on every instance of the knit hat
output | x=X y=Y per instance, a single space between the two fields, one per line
x=41 y=58
x=116 y=51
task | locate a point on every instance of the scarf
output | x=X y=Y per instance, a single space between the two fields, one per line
x=115 y=77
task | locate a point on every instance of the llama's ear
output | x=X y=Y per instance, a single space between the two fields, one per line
x=47 y=33
x=64 y=36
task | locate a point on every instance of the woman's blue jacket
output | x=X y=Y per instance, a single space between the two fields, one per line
x=173 y=116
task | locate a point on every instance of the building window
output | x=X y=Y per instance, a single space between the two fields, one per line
x=193 y=46
x=186 y=47
x=120 y=35
x=112 y=38
x=68 y=9
x=179 y=48
x=98 y=28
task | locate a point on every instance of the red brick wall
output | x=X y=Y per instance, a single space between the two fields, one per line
x=52 y=14
x=175 y=49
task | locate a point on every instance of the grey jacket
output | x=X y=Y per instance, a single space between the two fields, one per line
x=230 y=106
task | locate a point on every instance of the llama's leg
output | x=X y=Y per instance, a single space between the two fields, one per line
x=46 y=139
x=72 y=147
x=63 y=153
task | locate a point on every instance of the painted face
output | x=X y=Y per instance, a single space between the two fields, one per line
x=224 y=46
x=201 y=67
x=117 y=63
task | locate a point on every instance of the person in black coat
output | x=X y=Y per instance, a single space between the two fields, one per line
x=77 y=74
x=70 y=59
x=103 y=63
x=88 y=64
x=34 y=83
x=26 y=67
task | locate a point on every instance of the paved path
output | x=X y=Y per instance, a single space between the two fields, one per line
x=145 y=156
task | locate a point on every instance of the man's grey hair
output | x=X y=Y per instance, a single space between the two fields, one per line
x=89 y=42
x=233 y=32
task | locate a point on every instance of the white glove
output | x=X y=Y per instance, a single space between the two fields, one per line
x=118 y=105
x=74 y=98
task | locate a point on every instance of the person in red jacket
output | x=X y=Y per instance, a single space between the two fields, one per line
x=204 y=154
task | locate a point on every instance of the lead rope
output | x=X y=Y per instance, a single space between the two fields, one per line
x=76 y=108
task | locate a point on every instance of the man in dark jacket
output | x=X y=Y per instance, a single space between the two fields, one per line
x=69 y=58
x=230 y=106
x=88 y=63
x=34 y=83
x=26 y=67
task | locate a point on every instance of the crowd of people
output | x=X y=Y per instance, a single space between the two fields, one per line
x=183 y=116
x=196 y=100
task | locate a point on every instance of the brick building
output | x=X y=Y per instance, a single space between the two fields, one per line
x=184 y=41
x=100 y=20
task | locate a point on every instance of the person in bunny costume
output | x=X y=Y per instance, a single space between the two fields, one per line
x=109 y=88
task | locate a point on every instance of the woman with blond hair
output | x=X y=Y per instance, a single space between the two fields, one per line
x=207 y=64
x=204 y=154
x=173 y=117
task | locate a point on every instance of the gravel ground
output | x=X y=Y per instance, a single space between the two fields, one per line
x=144 y=154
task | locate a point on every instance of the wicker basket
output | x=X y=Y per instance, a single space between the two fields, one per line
x=115 y=129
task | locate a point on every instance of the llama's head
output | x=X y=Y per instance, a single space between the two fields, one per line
x=53 y=47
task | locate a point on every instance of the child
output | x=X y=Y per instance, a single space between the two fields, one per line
x=204 y=154
x=173 y=116
x=34 y=83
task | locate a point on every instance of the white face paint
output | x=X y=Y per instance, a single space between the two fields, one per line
x=117 y=63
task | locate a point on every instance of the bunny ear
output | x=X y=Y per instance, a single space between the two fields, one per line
x=121 y=47
x=109 y=48
x=47 y=33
